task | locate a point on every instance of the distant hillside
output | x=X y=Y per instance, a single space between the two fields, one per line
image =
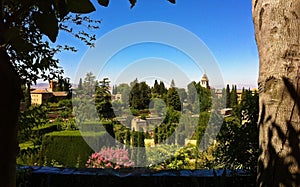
x=44 y=85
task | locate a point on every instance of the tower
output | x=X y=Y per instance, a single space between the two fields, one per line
x=204 y=81
x=52 y=86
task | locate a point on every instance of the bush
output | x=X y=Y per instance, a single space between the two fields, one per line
x=135 y=112
x=69 y=124
x=65 y=103
x=32 y=118
x=50 y=127
x=110 y=158
x=93 y=126
x=69 y=147
x=65 y=113
x=38 y=132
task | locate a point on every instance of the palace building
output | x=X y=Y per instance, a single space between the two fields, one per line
x=41 y=96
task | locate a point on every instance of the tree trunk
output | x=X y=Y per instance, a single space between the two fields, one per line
x=277 y=32
x=9 y=109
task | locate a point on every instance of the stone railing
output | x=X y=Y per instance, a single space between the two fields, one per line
x=52 y=176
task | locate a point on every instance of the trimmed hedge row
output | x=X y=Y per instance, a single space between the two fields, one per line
x=50 y=127
x=93 y=126
x=69 y=148
x=39 y=131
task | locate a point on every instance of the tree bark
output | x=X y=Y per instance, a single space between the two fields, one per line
x=277 y=33
x=9 y=109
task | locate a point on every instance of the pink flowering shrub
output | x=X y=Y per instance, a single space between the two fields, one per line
x=110 y=158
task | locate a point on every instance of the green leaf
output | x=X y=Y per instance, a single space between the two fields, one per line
x=103 y=2
x=80 y=6
x=172 y=1
x=132 y=2
x=47 y=24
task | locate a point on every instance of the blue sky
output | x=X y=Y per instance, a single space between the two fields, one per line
x=225 y=27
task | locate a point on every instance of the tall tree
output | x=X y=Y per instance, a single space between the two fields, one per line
x=103 y=100
x=63 y=84
x=26 y=56
x=162 y=89
x=127 y=138
x=155 y=89
x=141 y=153
x=135 y=144
x=134 y=96
x=173 y=99
x=140 y=96
x=227 y=91
x=233 y=97
x=80 y=87
x=182 y=94
x=145 y=95
x=128 y=141
x=134 y=82
x=192 y=92
x=172 y=84
x=89 y=83
x=124 y=89
x=155 y=135
x=205 y=98
x=239 y=134
x=277 y=35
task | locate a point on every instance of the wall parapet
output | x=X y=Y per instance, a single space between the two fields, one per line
x=53 y=176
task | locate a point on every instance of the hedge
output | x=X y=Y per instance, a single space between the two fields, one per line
x=93 y=126
x=39 y=131
x=50 y=127
x=69 y=148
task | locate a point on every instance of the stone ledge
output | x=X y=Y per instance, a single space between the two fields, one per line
x=53 y=176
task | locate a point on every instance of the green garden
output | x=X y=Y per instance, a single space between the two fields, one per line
x=53 y=134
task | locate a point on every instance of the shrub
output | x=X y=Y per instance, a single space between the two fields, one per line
x=69 y=147
x=65 y=103
x=135 y=112
x=110 y=158
x=69 y=124
x=65 y=113
x=93 y=126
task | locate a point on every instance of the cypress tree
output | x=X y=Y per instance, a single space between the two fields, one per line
x=134 y=137
x=173 y=99
x=228 y=96
x=160 y=134
x=134 y=98
x=156 y=87
x=145 y=95
x=155 y=135
x=109 y=127
x=127 y=141
x=162 y=89
x=172 y=84
x=141 y=153
x=233 y=97
x=127 y=138
x=80 y=84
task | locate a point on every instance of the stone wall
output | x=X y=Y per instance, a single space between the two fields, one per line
x=51 y=176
